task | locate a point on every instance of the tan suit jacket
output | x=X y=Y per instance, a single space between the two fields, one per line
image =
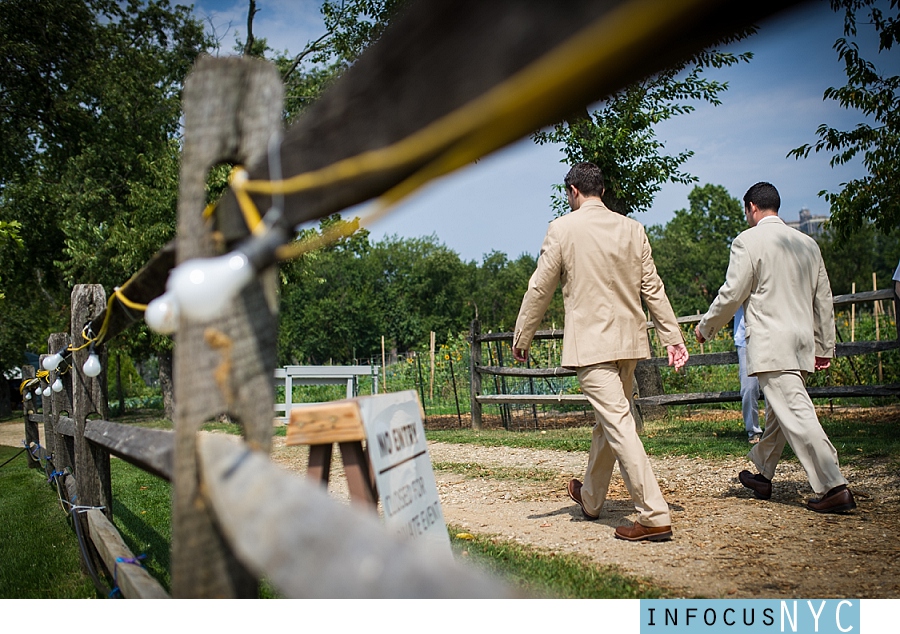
x=604 y=263
x=777 y=273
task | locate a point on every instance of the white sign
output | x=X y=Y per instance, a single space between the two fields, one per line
x=403 y=473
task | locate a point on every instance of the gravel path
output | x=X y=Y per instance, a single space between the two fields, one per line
x=726 y=543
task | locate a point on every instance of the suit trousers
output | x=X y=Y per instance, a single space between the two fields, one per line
x=791 y=418
x=608 y=387
x=749 y=394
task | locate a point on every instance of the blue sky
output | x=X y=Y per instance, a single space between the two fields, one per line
x=502 y=203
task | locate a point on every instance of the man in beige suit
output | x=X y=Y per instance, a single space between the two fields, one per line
x=778 y=275
x=604 y=264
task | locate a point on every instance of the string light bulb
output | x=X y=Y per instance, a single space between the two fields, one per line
x=28 y=396
x=52 y=361
x=162 y=313
x=92 y=366
x=57 y=385
x=47 y=391
x=203 y=287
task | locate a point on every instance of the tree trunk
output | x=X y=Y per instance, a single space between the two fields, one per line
x=166 y=385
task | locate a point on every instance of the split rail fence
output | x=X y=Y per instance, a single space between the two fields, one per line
x=236 y=516
x=649 y=390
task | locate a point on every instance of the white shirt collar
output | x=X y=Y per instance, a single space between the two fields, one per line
x=769 y=220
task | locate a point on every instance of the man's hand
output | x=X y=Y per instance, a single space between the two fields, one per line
x=519 y=354
x=699 y=335
x=822 y=363
x=678 y=356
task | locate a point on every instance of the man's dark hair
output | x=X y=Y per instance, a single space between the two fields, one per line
x=763 y=195
x=587 y=178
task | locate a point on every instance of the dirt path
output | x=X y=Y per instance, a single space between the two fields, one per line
x=726 y=543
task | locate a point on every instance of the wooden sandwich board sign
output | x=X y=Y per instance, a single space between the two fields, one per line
x=404 y=476
x=396 y=453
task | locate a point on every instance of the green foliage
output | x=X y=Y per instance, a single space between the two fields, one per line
x=90 y=100
x=620 y=136
x=692 y=250
x=852 y=256
x=874 y=94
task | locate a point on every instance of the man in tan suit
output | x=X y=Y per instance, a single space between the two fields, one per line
x=778 y=275
x=604 y=264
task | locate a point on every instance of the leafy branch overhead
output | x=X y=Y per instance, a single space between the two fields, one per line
x=620 y=135
x=876 y=141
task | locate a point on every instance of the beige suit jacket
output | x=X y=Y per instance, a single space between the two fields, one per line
x=603 y=261
x=777 y=273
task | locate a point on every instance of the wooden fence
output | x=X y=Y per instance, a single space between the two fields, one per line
x=236 y=516
x=649 y=390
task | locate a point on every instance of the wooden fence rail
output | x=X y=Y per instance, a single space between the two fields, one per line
x=842 y=349
x=236 y=517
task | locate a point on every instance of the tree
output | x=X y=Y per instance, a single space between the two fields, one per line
x=875 y=197
x=90 y=100
x=692 y=250
x=851 y=258
x=620 y=137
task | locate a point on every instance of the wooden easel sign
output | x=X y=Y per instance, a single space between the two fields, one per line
x=404 y=476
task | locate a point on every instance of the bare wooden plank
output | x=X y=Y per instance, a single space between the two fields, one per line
x=474 y=374
x=311 y=546
x=132 y=579
x=32 y=435
x=89 y=398
x=325 y=423
x=232 y=107
x=150 y=449
x=528 y=372
x=532 y=399
x=865 y=347
x=867 y=296
x=60 y=402
x=66 y=426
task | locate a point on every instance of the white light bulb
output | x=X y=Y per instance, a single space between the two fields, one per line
x=92 y=367
x=47 y=391
x=204 y=287
x=52 y=362
x=27 y=396
x=57 y=385
x=161 y=314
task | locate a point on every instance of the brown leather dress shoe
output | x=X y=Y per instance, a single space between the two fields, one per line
x=761 y=487
x=838 y=500
x=574 y=491
x=640 y=532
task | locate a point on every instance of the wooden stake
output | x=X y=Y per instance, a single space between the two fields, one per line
x=876 y=310
x=853 y=314
x=383 y=367
x=431 y=385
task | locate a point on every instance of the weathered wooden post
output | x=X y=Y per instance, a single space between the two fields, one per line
x=232 y=107
x=474 y=374
x=89 y=398
x=29 y=409
x=61 y=446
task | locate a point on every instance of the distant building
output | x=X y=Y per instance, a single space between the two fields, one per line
x=809 y=224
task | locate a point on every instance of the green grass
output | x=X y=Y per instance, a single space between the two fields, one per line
x=858 y=436
x=39 y=556
x=547 y=574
